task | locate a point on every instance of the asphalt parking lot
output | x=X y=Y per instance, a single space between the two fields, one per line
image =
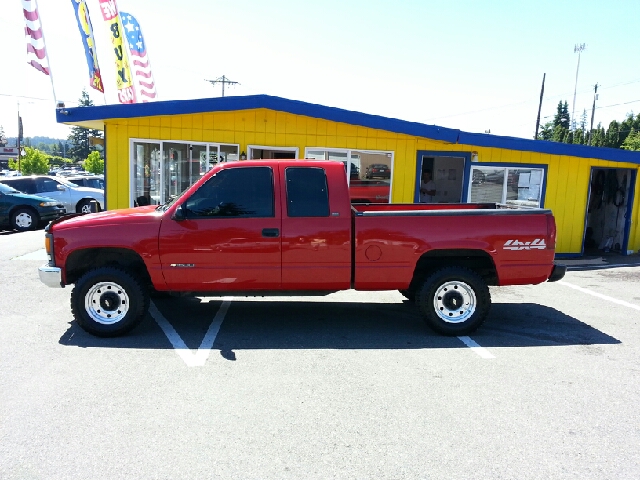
x=352 y=385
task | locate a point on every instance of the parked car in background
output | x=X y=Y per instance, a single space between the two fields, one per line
x=22 y=212
x=74 y=198
x=92 y=181
x=379 y=170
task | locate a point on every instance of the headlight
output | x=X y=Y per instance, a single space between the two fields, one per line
x=48 y=204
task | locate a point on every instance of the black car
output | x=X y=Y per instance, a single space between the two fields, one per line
x=379 y=170
x=19 y=211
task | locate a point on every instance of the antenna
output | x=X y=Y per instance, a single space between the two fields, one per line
x=222 y=80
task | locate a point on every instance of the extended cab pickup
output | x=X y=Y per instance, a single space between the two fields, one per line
x=268 y=227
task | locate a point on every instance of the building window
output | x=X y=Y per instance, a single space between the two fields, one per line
x=508 y=185
x=162 y=170
x=369 y=175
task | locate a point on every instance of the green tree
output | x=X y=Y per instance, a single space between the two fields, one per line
x=632 y=142
x=3 y=137
x=79 y=137
x=94 y=163
x=547 y=131
x=33 y=163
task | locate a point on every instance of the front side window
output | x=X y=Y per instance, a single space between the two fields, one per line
x=307 y=192
x=513 y=186
x=234 y=192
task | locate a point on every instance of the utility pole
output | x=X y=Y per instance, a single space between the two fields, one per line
x=577 y=49
x=222 y=80
x=593 y=111
x=540 y=107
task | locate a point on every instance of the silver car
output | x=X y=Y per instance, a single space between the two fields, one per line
x=74 y=198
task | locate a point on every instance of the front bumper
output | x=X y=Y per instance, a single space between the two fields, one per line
x=557 y=273
x=50 y=276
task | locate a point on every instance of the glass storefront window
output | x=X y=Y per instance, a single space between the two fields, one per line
x=514 y=186
x=161 y=170
x=369 y=175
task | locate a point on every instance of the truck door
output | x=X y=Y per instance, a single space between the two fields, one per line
x=316 y=235
x=231 y=237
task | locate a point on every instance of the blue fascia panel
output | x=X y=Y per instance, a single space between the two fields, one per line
x=222 y=104
x=553 y=148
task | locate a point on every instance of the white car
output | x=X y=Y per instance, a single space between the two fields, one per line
x=74 y=198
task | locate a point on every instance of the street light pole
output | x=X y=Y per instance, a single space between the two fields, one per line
x=577 y=49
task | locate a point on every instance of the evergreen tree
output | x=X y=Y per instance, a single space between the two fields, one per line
x=612 y=137
x=3 y=137
x=79 y=137
x=562 y=115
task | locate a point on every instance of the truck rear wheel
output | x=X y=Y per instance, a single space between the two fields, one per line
x=454 y=301
x=108 y=301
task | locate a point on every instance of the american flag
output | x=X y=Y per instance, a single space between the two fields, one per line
x=139 y=59
x=36 y=53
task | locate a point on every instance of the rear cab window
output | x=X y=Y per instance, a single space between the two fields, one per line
x=307 y=192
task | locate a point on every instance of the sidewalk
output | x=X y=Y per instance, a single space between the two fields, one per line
x=603 y=260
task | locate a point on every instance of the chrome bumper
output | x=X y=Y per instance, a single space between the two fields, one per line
x=50 y=276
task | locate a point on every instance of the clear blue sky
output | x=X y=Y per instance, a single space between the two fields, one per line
x=469 y=65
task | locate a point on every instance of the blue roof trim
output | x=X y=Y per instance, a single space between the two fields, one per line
x=553 y=148
x=222 y=104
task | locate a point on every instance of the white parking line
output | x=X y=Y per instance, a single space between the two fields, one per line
x=599 y=295
x=483 y=352
x=191 y=358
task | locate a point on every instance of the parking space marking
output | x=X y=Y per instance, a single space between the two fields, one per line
x=599 y=295
x=483 y=352
x=200 y=356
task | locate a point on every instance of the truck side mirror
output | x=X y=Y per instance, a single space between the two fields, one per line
x=179 y=214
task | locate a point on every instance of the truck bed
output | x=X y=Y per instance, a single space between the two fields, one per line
x=388 y=245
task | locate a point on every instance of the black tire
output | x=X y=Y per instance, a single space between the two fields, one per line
x=84 y=206
x=454 y=301
x=108 y=301
x=24 y=219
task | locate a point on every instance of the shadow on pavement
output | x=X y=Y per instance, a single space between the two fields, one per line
x=268 y=324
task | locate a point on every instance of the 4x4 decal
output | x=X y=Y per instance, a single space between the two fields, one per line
x=537 y=244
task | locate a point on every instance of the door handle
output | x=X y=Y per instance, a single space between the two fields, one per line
x=270 y=232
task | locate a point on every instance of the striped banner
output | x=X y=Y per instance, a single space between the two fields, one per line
x=36 y=52
x=86 y=32
x=142 y=76
x=126 y=92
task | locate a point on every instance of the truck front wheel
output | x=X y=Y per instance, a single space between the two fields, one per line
x=454 y=301
x=108 y=301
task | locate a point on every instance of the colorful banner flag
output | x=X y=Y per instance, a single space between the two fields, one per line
x=143 y=78
x=86 y=32
x=36 y=52
x=126 y=92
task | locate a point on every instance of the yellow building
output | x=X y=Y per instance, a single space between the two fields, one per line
x=153 y=151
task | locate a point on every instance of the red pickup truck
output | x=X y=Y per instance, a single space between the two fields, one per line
x=267 y=227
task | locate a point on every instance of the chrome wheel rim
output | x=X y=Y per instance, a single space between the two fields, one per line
x=454 y=302
x=24 y=220
x=106 y=303
x=86 y=208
